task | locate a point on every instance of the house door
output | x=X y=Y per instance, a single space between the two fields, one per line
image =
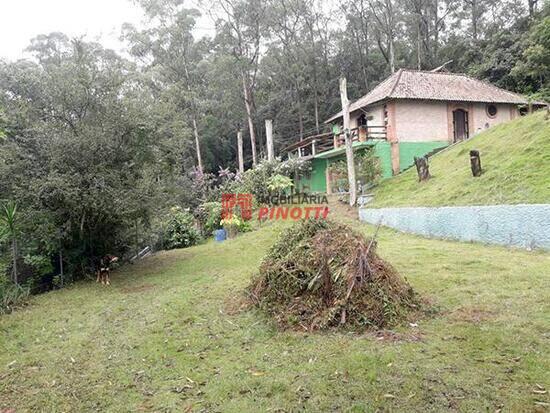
x=460 y=125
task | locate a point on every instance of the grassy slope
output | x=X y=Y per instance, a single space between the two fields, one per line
x=515 y=157
x=161 y=339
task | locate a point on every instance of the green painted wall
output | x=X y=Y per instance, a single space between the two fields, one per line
x=382 y=150
x=316 y=180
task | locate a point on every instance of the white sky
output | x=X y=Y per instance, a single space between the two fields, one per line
x=98 y=20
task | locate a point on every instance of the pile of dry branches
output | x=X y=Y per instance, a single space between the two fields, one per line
x=322 y=274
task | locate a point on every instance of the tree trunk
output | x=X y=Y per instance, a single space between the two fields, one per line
x=419 y=47
x=474 y=19
x=391 y=52
x=349 y=144
x=248 y=104
x=391 y=25
x=61 y=274
x=300 y=112
x=14 y=252
x=197 y=144
x=269 y=139
x=240 y=151
x=194 y=114
x=532 y=7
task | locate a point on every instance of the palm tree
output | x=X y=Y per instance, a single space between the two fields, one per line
x=8 y=213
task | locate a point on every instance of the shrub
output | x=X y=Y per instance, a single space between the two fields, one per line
x=209 y=215
x=11 y=295
x=255 y=181
x=235 y=224
x=278 y=184
x=294 y=166
x=367 y=171
x=181 y=231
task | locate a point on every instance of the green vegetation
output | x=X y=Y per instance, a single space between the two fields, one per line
x=167 y=336
x=515 y=158
x=181 y=230
x=367 y=170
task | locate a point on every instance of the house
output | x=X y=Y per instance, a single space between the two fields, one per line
x=411 y=113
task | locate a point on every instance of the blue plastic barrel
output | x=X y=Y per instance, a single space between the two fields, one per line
x=220 y=235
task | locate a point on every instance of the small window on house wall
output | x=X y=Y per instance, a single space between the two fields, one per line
x=491 y=110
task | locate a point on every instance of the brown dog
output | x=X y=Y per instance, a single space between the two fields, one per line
x=104 y=270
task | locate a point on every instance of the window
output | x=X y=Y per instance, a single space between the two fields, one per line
x=491 y=111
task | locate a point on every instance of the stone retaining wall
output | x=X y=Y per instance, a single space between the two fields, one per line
x=525 y=226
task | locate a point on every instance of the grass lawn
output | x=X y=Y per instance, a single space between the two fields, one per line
x=515 y=157
x=161 y=338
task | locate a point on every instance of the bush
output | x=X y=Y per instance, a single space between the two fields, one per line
x=181 y=231
x=11 y=296
x=294 y=166
x=235 y=224
x=278 y=184
x=209 y=215
x=257 y=181
x=367 y=171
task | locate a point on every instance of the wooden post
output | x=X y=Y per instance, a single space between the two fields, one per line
x=61 y=274
x=349 y=144
x=269 y=139
x=240 y=150
x=313 y=148
x=475 y=163
x=422 y=168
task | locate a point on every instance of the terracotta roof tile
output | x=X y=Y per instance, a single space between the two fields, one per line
x=412 y=84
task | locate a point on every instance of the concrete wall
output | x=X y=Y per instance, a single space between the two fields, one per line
x=376 y=112
x=425 y=121
x=483 y=121
x=524 y=226
x=421 y=121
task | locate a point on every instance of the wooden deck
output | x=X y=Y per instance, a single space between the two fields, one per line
x=316 y=144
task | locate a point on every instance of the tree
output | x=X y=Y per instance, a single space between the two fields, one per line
x=240 y=30
x=80 y=148
x=171 y=57
x=8 y=217
x=385 y=14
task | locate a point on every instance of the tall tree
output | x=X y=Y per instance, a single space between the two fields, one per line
x=241 y=28
x=171 y=56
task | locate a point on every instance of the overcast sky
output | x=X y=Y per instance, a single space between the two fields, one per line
x=99 y=20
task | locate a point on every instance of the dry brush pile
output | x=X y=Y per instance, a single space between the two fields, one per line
x=322 y=274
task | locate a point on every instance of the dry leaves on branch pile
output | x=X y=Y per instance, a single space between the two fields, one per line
x=322 y=274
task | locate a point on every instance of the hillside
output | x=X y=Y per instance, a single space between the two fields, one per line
x=515 y=157
x=167 y=336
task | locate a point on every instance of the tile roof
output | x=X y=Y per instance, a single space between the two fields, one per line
x=414 y=84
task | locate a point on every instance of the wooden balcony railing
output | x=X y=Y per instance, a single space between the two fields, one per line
x=323 y=142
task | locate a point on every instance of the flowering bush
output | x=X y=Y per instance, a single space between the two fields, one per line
x=181 y=231
x=209 y=215
x=234 y=224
